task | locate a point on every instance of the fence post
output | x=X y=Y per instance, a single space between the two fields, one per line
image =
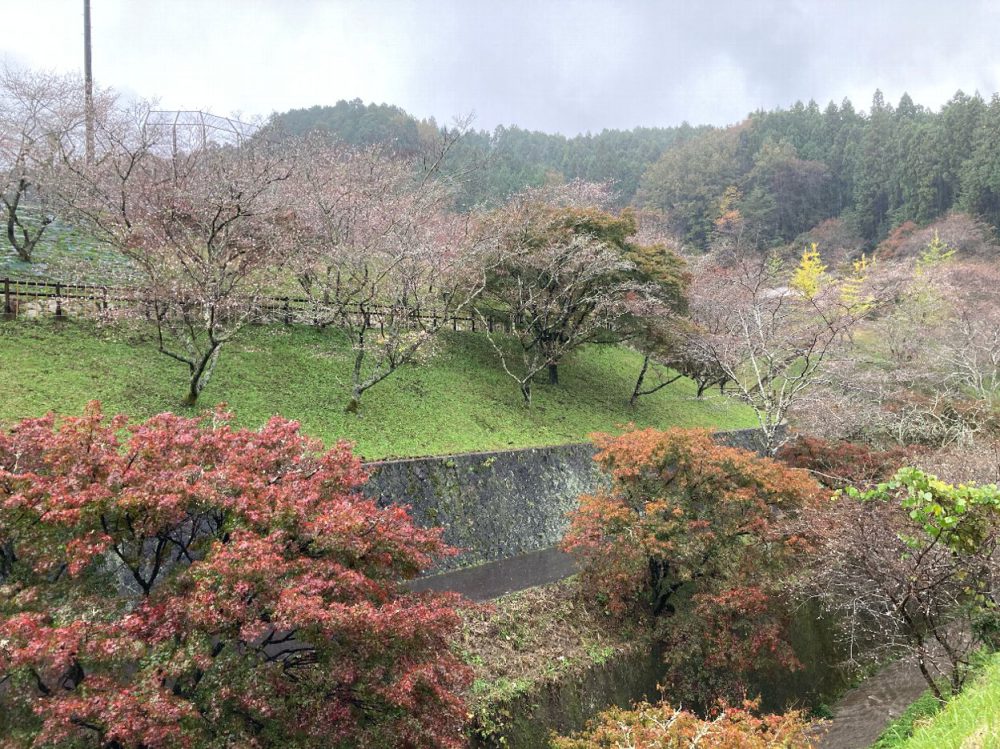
x=8 y=308
x=59 y=309
x=288 y=312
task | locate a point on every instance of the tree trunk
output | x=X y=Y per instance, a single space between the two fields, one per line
x=928 y=677
x=201 y=373
x=354 y=404
x=771 y=443
x=526 y=392
x=22 y=249
x=7 y=559
x=25 y=246
x=637 y=390
x=554 y=374
x=638 y=382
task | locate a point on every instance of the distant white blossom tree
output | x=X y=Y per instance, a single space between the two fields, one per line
x=205 y=224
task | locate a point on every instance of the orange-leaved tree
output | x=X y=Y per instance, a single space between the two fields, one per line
x=182 y=583
x=664 y=727
x=704 y=534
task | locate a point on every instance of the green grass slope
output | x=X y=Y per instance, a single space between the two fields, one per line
x=458 y=401
x=971 y=720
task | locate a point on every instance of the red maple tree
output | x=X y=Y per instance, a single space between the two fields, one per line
x=183 y=583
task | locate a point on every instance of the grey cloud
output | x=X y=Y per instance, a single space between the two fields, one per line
x=569 y=66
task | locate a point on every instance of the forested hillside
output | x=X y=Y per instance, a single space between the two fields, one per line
x=497 y=164
x=785 y=170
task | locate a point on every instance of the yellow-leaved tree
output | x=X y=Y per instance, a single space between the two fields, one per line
x=810 y=274
x=852 y=287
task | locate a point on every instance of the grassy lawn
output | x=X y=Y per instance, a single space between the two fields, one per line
x=899 y=731
x=460 y=401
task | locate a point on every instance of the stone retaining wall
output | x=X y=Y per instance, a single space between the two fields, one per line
x=496 y=505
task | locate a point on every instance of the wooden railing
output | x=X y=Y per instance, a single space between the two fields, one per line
x=19 y=297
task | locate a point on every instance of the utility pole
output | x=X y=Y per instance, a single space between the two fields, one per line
x=88 y=83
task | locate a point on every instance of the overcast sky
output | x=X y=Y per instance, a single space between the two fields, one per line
x=556 y=65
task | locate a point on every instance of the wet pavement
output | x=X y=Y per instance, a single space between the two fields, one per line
x=863 y=713
x=494 y=579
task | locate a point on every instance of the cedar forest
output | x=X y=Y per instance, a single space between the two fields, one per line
x=793 y=168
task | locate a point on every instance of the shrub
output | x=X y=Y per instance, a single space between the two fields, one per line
x=898 y=237
x=840 y=463
x=978 y=462
x=910 y=568
x=664 y=727
x=969 y=236
x=838 y=238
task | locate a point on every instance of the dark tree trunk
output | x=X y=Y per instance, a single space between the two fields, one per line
x=638 y=383
x=526 y=392
x=201 y=371
x=637 y=390
x=7 y=559
x=24 y=246
x=553 y=374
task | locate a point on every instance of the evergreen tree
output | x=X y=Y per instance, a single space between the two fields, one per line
x=873 y=183
x=981 y=172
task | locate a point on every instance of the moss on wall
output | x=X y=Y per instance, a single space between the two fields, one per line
x=496 y=505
